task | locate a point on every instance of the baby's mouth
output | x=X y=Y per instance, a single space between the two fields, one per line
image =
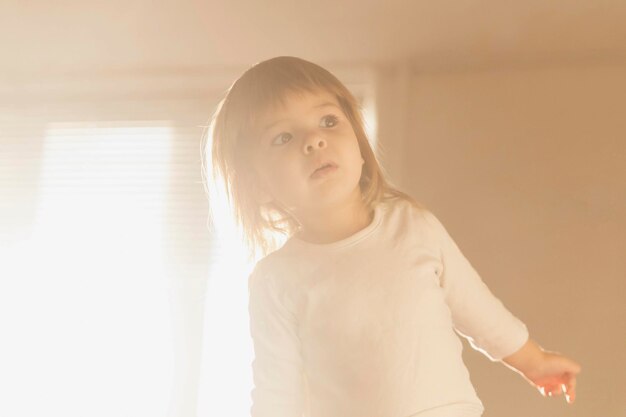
x=323 y=170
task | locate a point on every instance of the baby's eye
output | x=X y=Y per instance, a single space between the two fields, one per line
x=329 y=121
x=281 y=139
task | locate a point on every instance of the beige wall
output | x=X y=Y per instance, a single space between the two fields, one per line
x=527 y=170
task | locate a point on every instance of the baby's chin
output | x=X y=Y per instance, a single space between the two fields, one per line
x=334 y=201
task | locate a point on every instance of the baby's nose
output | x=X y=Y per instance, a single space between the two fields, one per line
x=313 y=143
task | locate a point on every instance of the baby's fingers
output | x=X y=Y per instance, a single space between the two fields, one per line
x=551 y=390
x=570 y=390
x=568 y=387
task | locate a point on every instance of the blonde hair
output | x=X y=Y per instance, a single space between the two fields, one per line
x=265 y=86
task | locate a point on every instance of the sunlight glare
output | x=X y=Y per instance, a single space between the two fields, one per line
x=91 y=332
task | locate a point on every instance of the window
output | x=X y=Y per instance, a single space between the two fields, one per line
x=89 y=329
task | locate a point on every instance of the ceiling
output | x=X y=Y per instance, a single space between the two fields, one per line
x=140 y=36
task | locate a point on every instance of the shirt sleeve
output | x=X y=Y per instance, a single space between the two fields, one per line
x=476 y=313
x=277 y=365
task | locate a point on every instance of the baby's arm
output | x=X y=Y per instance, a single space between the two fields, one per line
x=492 y=329
x=550 y=372
x=277 y=365
x=476 y=313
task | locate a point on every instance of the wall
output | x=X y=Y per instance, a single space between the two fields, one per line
x=526 y=168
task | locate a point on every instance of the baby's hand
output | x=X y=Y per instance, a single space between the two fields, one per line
x=554 y=374
x=550 y=372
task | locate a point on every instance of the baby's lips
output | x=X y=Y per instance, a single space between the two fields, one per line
x=322 y=164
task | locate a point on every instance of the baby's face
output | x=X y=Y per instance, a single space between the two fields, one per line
x=307 y=155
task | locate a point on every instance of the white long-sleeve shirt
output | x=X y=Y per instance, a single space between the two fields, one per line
x=365 y=327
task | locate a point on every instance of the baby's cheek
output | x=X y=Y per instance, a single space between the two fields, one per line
x=286 y=187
